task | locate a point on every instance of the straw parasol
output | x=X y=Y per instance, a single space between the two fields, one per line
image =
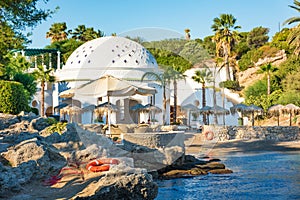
x=71 y=111
x=291 y=108
x=152 y=110
x=88 y=109
x=276 y=109
x=242 y=108
x=206 y=110
x=190 y=108
x=137 y=107
x=216 y=110
x=67 y=93
x=252 y=109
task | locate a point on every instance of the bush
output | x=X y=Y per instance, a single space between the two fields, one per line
x=34 y=110
x=233 y=85
x=13 y=98
x=290 y=97
x=58 y=127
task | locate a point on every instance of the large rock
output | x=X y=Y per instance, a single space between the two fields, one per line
x=7 y=120
x=123 y=186
x=39 y=124
x=11 y=179
x=45 y=156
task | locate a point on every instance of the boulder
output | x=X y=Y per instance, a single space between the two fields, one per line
x=44 y=155
x=7 y=120
x=220 y=171
x=38 y=124
x=121 y=186
x=11 y=179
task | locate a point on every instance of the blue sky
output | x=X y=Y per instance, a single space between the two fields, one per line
x=170 y=16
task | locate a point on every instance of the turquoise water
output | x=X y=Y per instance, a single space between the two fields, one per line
x=256 y=176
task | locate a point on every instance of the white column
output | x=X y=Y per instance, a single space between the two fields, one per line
x=35 y=61
x=58 y=60
x=50 y=63
x=55 y=96
x=42 y=59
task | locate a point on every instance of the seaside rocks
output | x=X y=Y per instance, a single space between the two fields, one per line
x=38 y=124
x=193 y=167
x=136 y=186
x=45 y=156
x=6 y=120
x=11 y=179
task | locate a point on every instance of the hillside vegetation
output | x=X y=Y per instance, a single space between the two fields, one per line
x=250 y=54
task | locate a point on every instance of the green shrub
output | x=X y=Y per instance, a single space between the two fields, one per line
x=289 y=97
x=233 y=85
x=51 y=120
x=58 y=127
x=34 y=110
x=257 y=89
x=13 y=98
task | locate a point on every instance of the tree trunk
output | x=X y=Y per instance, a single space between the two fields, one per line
x=226 y=55
x=228 y=78
x=204 y=102
x=164 y=104
x=43 y=99
x=215 y=103
x=269 y=84
x=175 y=102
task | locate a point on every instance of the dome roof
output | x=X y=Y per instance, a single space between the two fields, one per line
x=93 y=58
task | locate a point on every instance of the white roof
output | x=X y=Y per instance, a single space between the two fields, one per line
x=112 y=55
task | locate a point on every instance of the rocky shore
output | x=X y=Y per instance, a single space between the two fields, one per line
x=35 y=164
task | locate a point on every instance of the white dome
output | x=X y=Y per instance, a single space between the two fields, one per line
x=112 y=55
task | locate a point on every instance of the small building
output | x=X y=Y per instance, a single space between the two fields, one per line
x=116 y=56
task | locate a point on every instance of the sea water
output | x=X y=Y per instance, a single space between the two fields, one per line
x=255 y=176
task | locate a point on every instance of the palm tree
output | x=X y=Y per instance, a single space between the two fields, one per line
x=57 y=32
x=294 y=37
x=187 y=34
x=43 y=76
x=84 y=34
x=268 y=69
x=164 y=80
x=225 y=37
x=294 y=19
x=203 y=77
x=175 y=74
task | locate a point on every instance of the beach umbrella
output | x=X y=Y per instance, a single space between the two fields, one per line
x=252 y=109
x=206 y=110
x=291 y=108
x=190 y=108
x=67 y=93
x=137 y=107
x=71 y=111
x=239 y=108
x=111 y=86
x=218 y=110
x=88 y=109
x=276 y=109
x=152 y=110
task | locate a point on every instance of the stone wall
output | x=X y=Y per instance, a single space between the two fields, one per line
x=274 y=133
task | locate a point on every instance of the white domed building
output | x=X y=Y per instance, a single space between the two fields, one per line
x=116 y=56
